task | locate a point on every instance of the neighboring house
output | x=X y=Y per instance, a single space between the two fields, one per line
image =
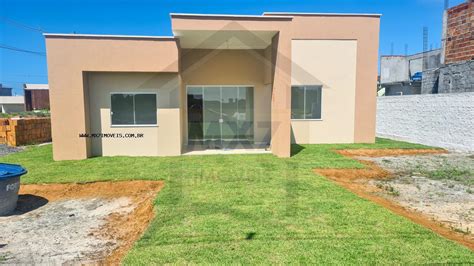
x=447 y=70
x=222 y=81
x=457 y=73
x=402 y=75
x=12 y=104
x=4 y=91
x=458 y=32
x=36 y=96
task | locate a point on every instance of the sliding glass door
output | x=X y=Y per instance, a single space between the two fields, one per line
x=220 y=116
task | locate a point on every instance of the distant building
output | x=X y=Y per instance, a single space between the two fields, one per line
x=4 y=91
x=458 y=32
x=12 y=104
x=447 y=70
x=36 y=97
x=402 y=75
x=457 y=73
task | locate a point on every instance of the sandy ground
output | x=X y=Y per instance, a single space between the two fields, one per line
x=448 y=201
x=402 y=181
x=76 y=223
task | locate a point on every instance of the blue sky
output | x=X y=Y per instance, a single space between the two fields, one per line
x=402 y=23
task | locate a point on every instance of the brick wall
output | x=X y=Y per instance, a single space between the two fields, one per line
x=460 y=33
x=23 y=131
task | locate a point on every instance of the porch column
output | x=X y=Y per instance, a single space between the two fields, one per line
x=281 y=95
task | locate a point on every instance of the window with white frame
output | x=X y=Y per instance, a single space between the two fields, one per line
x=306 y=102
x=133 y=109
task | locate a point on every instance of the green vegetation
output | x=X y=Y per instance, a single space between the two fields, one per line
x=256 y=209
x=38 y=113
x=463 y=176
x=389 y=189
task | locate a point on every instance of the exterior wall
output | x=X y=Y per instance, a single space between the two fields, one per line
x=402 y=68
x=397 y=89
x=335 y=70
x=163 y=139
x=450 y=78
x=424 y=61
x=36 y=99
x=68 y=59
x=365 y=30
x=12 y=104
x=12 y=108
x=459 y=43
x=429 y=84
x=231 y=67
x=393 y=69
x=457 y=77
x=443 y=120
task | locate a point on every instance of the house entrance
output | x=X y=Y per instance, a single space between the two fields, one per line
x=220 y=117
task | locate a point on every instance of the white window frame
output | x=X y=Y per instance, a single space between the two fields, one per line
x=304 y=103
x=133 y=93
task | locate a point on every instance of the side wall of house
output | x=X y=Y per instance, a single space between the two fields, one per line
x=365 y=31
x=70 y=57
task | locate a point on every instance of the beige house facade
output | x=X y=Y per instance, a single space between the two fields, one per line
x=221 y=82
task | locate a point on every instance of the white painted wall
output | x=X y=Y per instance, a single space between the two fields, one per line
x=442 y=120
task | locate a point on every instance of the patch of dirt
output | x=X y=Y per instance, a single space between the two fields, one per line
x=371 y=171
x=377 y=184
x=388 y=152
x=77 y=223
x=441 y=186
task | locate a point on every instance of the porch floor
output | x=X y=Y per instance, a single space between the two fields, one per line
x=200 y=150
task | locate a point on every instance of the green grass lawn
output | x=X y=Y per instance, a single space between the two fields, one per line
x=256 y=209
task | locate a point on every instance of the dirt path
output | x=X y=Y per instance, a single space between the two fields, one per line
x=77 y=223
x=360 y=182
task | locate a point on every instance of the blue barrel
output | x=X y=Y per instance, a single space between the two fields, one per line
x=9 y=186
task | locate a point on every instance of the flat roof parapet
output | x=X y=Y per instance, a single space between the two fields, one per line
x=227 y=16
x=100 y=36
x=294 y=14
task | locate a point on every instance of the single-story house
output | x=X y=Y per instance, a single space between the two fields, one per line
x=12 y=104
x=36 y=96
x=221 y=82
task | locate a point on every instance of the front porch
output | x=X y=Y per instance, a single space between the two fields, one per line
x=227 y=103
x=195 y=149
x=236 y=94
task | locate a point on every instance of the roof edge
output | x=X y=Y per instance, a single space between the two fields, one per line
x=190 y=15
x=320 y=14
x=105 y=36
